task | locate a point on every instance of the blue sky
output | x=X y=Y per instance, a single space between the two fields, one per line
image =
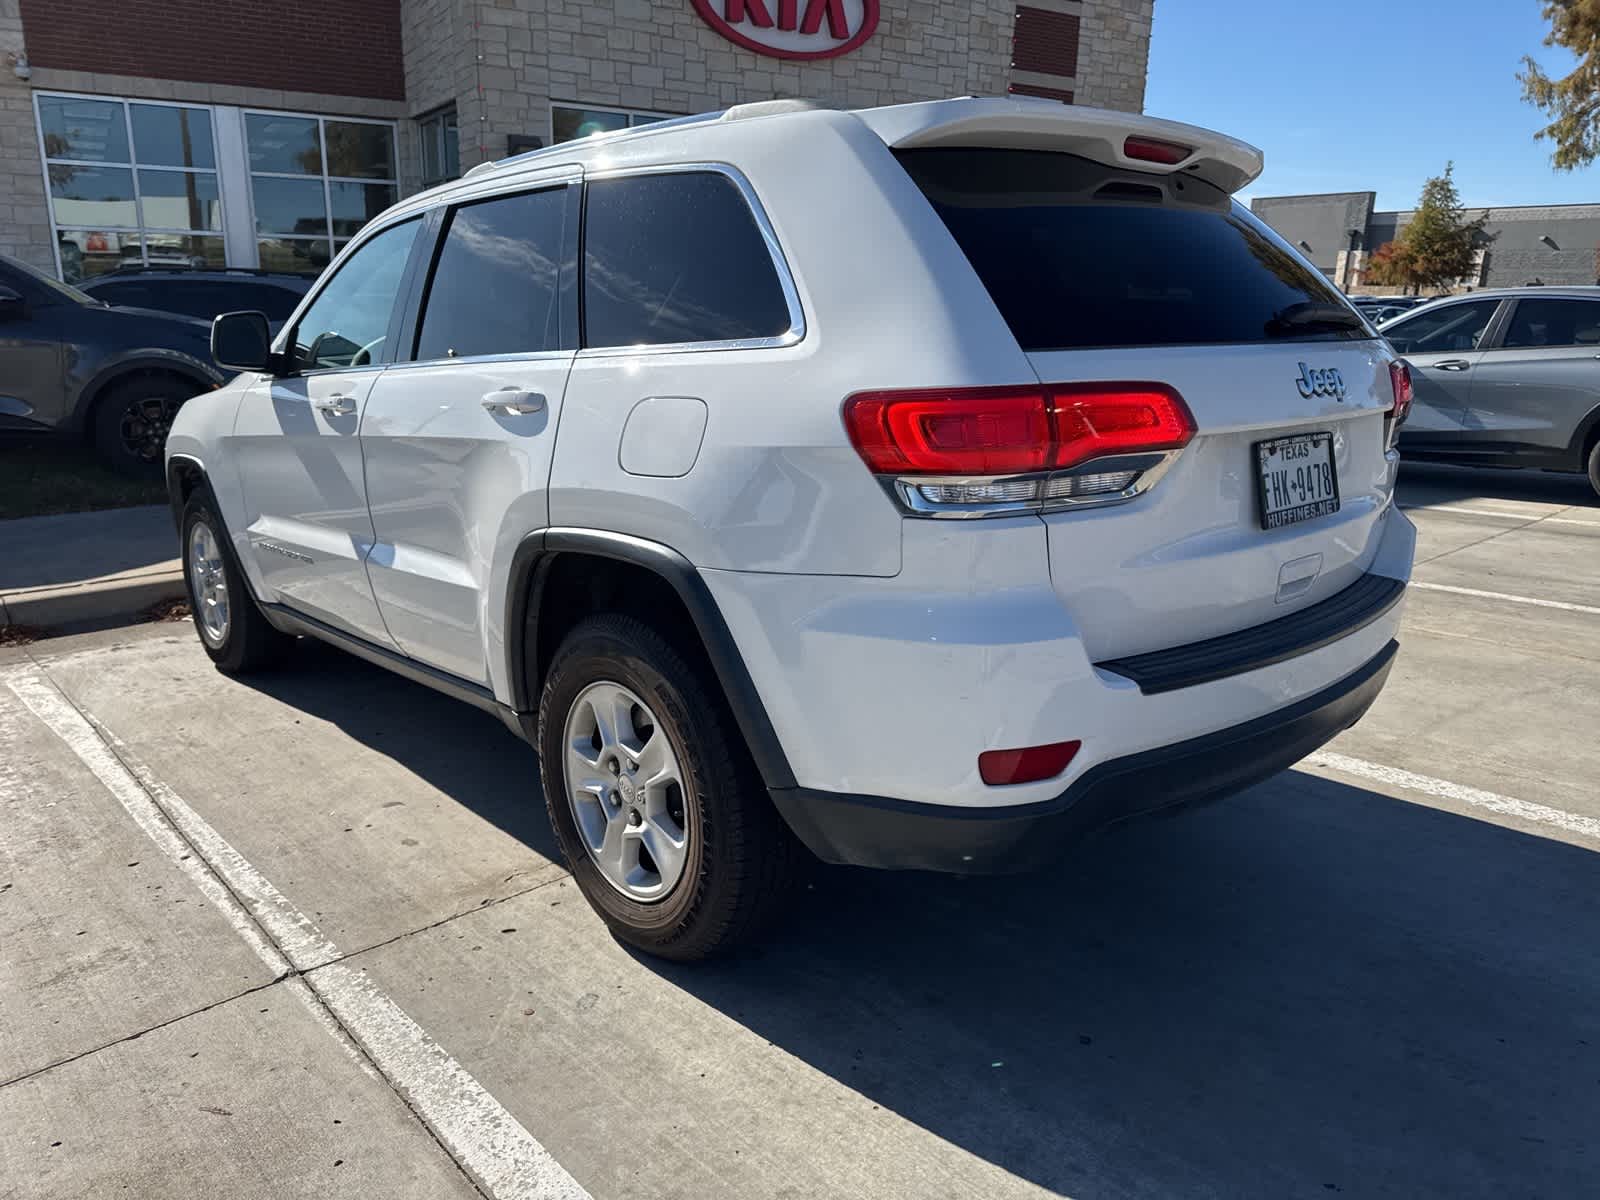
x=1367 y=95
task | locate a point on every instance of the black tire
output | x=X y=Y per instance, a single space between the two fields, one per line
x=248 y=642
x=1594 y=466
x=132 y=418
x=742 y=860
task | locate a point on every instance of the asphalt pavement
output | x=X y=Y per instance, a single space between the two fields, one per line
x=308 y=935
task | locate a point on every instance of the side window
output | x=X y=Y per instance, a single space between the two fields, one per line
x=348 y=321
x=676 y=258
x=1539 y=323
x=1445 y=328
x=494 y=286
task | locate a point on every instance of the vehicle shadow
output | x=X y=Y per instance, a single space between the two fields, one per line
x=1308 y=990
x=1439 y=483
x=465 y=753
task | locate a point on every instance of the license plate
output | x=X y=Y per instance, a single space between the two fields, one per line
x=1296 y=479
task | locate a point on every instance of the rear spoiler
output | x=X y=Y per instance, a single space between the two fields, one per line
x=1026 y=123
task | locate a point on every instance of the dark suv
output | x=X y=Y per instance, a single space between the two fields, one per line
x=193 y=292
x=76 y=365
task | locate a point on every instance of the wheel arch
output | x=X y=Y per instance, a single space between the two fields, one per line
x=559 y=575
x=121 y=371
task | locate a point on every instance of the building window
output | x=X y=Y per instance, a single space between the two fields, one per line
x=132 y=183
x=441 y=146
x=569 y=122
x=315 y=181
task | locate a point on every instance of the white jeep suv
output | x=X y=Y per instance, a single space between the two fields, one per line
x=922 y=486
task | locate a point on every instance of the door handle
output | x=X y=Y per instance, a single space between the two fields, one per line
x=335 y=406
x=1452 y=364
x=514 y=401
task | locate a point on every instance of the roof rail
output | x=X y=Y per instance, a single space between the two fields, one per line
x=771 y=108
x=631 y=132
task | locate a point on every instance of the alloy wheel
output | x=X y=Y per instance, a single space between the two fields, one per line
x=626 y=789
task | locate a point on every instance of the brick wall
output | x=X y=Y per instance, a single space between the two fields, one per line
x=339 y=47
x=24 y=219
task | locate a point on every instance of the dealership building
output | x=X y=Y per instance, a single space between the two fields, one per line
x=254 y=134
x=1550 y=244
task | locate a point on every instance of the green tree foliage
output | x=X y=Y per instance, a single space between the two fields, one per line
x=1436 y=248
x=1573 y=101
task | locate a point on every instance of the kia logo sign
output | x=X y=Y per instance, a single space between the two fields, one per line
x=800 y=29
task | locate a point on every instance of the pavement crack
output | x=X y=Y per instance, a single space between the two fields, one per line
x=133 y=1037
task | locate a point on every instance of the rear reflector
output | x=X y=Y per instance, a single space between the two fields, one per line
x=1000 y=767
x=1400 y=380
x=1015 y=430
x=1156 y=151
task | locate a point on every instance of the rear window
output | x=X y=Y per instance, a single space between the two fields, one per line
x=676 y=258
x=1076 y=254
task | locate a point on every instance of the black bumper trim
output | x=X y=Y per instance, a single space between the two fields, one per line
x=875 y=831
x=1360 y=604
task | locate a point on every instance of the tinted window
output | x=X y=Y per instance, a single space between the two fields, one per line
x=494 y=287
x=1554 y=323
x=203 y=298
x=1443 y=328
x=1077 y=254
x=347 y=322
x=676 y=258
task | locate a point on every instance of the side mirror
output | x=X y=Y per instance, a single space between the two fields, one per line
x=12 y=306
x=241 y=341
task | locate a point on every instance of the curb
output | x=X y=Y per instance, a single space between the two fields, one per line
x=123 y=595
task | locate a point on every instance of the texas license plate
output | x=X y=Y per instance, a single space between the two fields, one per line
x=1296 y=479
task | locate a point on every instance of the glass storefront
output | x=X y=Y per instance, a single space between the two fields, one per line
x=144 y=183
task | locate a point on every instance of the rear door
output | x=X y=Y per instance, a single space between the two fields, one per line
x=458 y=439
x=1107 y=275
x=297 y=448
x=1540 y=379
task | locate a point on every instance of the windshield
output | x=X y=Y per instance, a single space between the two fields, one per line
x=1076 y=254
x=64 y=291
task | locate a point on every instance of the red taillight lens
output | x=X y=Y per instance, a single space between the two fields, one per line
x=1156 y=151
x=1013 y=431
x=999 y=767
x=1400 y=380
x=956 y=432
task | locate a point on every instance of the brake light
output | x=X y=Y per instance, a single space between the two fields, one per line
x=1400 y=380
x=1013 y=431
x=1000 y=767
x=1156 y=151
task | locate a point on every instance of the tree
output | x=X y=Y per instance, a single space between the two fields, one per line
x=1573 y=101
x=1437 y=247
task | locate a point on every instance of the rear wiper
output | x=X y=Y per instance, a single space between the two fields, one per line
x=1308 y=315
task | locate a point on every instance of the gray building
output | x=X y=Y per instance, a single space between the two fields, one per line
x=1549 y=243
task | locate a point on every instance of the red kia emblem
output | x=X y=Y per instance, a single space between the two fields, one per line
x=792 y=28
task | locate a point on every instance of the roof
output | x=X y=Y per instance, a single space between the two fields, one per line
x=1579 y=292
x=1022 y=122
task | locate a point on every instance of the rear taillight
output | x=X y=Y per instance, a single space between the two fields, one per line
x=1155 y=150
x=981 y=439
x=1400 y=380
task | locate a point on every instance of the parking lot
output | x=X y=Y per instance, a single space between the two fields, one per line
x=307 y=935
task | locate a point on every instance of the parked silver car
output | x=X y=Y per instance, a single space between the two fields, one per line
x=1507 y=378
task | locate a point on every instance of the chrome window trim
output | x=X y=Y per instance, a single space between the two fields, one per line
x=1150 y=465
x=791 y=294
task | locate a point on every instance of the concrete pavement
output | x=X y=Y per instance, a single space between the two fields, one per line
x=80 y=567
x=1347 y=980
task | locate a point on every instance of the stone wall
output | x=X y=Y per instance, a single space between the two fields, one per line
x=24 y=219
x=1115 y=53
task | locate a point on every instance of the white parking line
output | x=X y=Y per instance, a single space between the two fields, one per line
x=483 y=1137
x=1533 y=600
x=1505 y=806
x=1530 y=518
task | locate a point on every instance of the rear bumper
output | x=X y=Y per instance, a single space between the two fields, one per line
x=874 y=831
